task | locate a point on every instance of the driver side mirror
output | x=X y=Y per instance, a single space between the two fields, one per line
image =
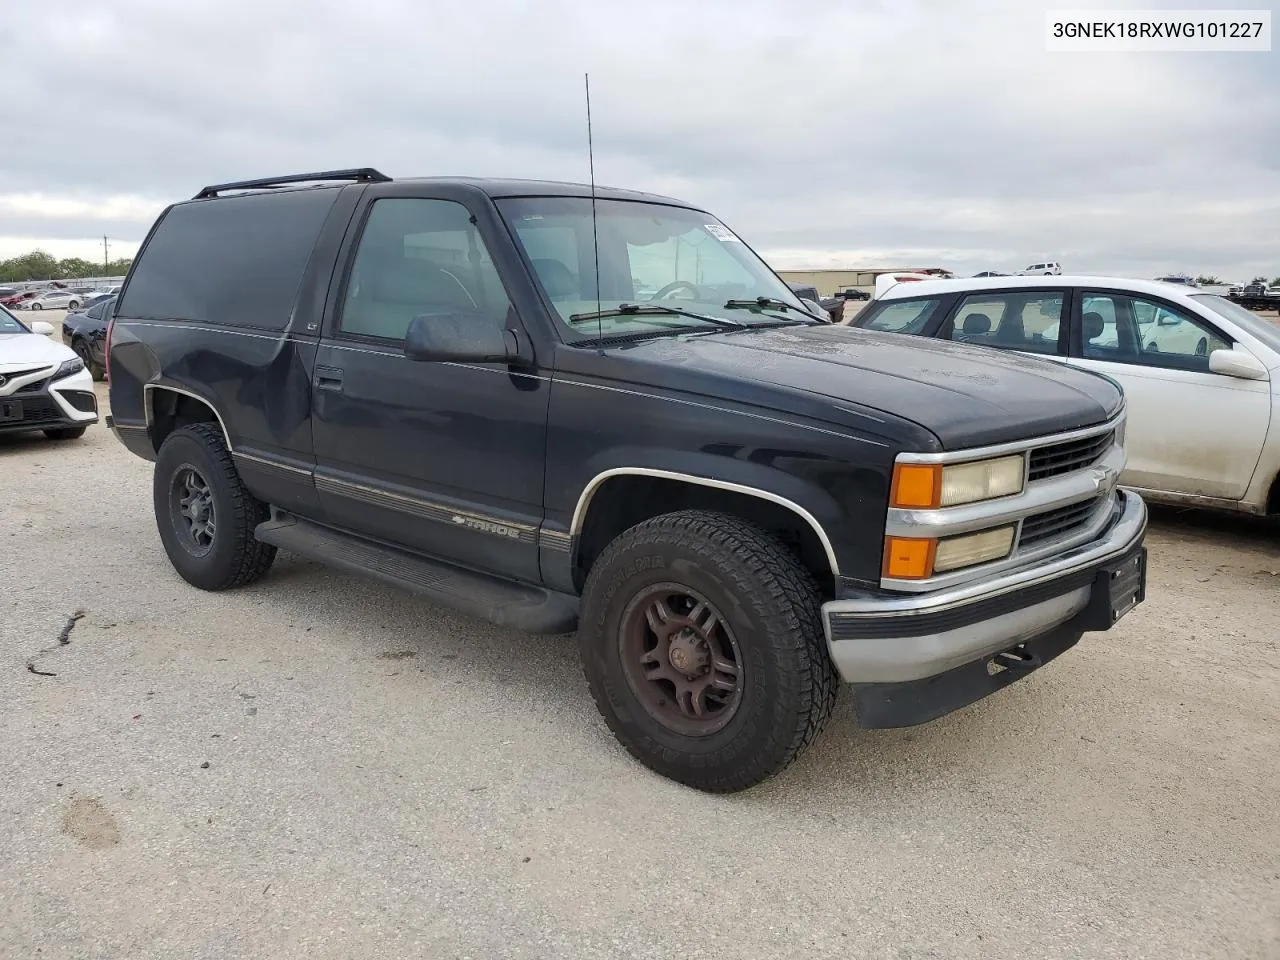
x=1237 y=363
x=42 y=327
x=460 y=336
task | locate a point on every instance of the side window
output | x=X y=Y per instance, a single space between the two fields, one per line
x=1012 y=320
x=1177 y=340
x=1122 y=329
x=95 y=311
x=236 y=261
x=898 y=316
x=415 y=257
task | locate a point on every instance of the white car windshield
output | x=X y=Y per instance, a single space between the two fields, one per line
x=661 y=268
x=1250 y=322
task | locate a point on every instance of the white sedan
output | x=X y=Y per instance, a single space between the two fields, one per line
x=55 y=299
x=1201 y=374
x=43 y=384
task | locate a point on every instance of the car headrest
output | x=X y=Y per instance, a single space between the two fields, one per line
x=557 y=279
x=1094 y=324
x=977 y=324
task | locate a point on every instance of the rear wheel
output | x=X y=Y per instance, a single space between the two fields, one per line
x=205 y=515
x=702 y=644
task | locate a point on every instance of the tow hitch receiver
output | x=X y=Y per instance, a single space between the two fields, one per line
x=1016 y=658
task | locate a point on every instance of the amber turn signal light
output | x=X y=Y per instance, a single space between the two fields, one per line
x=908 y=558
x=916 y=486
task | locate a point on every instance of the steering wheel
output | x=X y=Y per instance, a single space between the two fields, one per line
x=672 y=287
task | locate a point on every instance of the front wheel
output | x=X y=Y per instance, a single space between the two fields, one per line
x=702 y=645
x=65 y=433
x=73 y=305
x=36 y=306
x=205 y=515
x=94 y=368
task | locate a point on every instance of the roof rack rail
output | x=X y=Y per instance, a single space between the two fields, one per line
x=356 y=174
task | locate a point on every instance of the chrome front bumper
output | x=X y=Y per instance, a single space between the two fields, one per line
x=897 y=639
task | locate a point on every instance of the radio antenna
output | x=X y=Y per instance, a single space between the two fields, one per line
x=595 y=237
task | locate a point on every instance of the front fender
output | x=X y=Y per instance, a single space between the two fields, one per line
x=836 y=482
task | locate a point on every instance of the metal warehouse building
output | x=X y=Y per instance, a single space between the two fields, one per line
x=829 y=281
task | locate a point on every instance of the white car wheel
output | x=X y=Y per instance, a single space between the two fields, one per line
x=36 y=306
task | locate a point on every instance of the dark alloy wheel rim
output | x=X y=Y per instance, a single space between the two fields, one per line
x=193 y=513
x=681 y=659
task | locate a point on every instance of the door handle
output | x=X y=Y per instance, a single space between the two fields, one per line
x=328 y=378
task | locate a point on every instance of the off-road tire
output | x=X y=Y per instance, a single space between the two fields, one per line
x=65 y=433
x=235 y=557
x=789 y=684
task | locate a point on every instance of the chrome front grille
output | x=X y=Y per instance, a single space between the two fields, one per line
x=1052 y=524
x=1059 y=458
x=1067 y=499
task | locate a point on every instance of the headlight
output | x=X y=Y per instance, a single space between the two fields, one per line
x=909 y=558
x=69 y=367
x=955 y=552
x=926 y=486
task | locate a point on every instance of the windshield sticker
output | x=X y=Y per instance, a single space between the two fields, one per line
x=720 y=233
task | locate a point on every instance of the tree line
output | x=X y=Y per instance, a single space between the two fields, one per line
x=38 y=265
x=1211 y=281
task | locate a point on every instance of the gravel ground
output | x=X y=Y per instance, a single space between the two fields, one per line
x=319 y=766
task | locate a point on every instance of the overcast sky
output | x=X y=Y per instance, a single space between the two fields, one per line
x=826 y=132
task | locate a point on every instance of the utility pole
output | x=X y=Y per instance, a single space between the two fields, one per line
x=104 y=254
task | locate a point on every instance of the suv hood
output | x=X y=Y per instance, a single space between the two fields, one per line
x=966 y=396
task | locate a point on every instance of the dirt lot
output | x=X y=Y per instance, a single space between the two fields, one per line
x=319 y=766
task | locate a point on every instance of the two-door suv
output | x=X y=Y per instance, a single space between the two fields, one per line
x=563 y=408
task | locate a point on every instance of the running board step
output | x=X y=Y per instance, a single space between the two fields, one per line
x=520 y=605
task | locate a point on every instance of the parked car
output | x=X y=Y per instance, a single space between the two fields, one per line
x=1179 y=279
x=14 y=300
x=431 y=382
x=94 y=299
x=43 y=384
x=992 y=273
x=1041 y=270
x=852 y=293
x=1201 y=375
x=55 y=299
x=86 y=333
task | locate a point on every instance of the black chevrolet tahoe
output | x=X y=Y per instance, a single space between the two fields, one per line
x=560 y=408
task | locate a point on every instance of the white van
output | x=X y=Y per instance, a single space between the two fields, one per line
x=1042 y=269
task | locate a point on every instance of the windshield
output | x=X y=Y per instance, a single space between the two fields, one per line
x=10 y=324
x=650 y=254
x=1251 y=323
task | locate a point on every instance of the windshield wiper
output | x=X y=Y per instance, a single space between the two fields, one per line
x=632 y=309
x=766 y=303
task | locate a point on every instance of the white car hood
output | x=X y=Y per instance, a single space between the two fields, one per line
x=19 y=351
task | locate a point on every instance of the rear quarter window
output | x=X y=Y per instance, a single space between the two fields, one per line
x=232 y=261
x=898 y=316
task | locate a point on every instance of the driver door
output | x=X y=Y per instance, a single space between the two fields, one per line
x=444 y=458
